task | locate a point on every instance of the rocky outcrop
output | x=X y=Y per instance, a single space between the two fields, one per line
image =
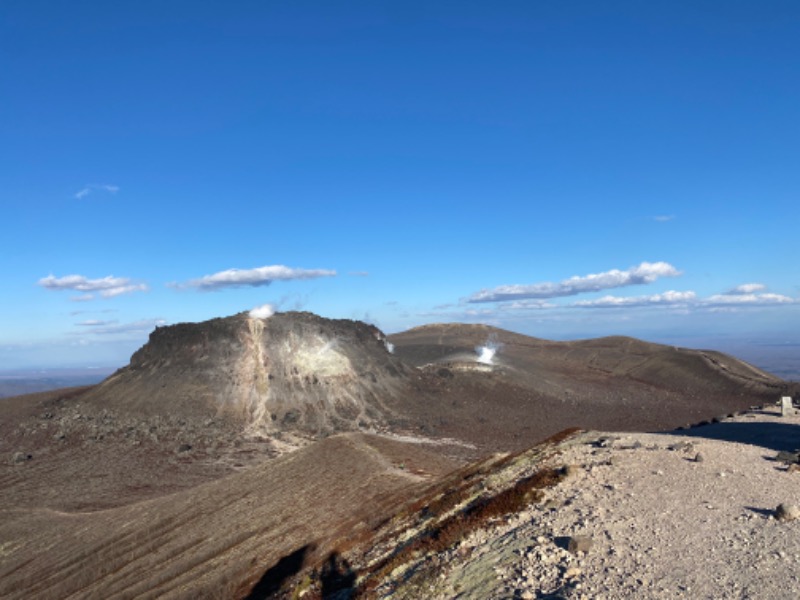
x=292 y=371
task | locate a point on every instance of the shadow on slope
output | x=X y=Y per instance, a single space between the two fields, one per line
x=275 y=577
x=772 y=436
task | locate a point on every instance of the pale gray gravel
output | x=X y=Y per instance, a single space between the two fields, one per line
x=663 y=525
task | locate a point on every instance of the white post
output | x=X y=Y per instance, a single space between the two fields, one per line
x=786 y=406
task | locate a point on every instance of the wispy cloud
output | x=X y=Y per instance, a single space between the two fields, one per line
x=141 y=326
x=750 y=297
x=527 y=305
x=75 y=313
x=96 y=187
x=488 y=316
x=671 y=298
x=259 y=276
x=748 y=294
x=746 y=289
x=108 y=287
x=644 y=273
x=96 y=323
x=124 y=289
x=82 y=298
x=745 y=299
x=664 y=218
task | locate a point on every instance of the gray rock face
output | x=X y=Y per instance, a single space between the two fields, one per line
x=291 y=371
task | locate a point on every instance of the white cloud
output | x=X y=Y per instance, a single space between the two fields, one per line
x=671 y=298
x=124 y=289
x=259 y=276
x=644 y=273
x=265 y=311
x=744 y=299
x=95 y=187
x=663 y=218
x=108 y=287
x=81 y=283
x=747 y=288
x=747 y=294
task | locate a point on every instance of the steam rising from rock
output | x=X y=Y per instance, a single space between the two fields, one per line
x=389 y=346
x=265 y=311
x=487 y=352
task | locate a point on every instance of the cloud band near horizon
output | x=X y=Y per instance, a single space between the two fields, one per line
x=642 y=274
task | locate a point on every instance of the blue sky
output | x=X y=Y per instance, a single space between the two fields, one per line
x=562 y=169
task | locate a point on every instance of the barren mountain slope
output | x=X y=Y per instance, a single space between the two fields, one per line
x=219 y=538
x=296 y=372
x=200 y=400
x=534 y=387
x=662 y=523
x=197 y=467
x=291 y=371
x=657 y=522
x=62 y=453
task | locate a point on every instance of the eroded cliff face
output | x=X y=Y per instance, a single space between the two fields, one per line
x=292 y=371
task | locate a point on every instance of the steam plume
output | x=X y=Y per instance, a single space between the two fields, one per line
x=265 y=311
x=486 y=353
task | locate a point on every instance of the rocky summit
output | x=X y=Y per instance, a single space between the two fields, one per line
x=293 y=370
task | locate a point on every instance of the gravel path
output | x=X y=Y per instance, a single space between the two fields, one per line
x=662 y=523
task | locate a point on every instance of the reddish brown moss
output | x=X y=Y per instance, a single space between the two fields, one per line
x=457 y=527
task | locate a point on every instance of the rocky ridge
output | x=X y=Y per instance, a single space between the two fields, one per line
x=291 y=371
x=659 y=523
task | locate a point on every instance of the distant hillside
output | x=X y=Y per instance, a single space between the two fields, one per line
x=535 y=387
x=16 y=383
x=299 y=372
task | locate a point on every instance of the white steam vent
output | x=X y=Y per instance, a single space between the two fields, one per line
x=487 y=352
x=265 y=311
x=386 y=343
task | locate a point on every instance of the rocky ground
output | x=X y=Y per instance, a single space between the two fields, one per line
x=206 y=465
x=659 y=515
